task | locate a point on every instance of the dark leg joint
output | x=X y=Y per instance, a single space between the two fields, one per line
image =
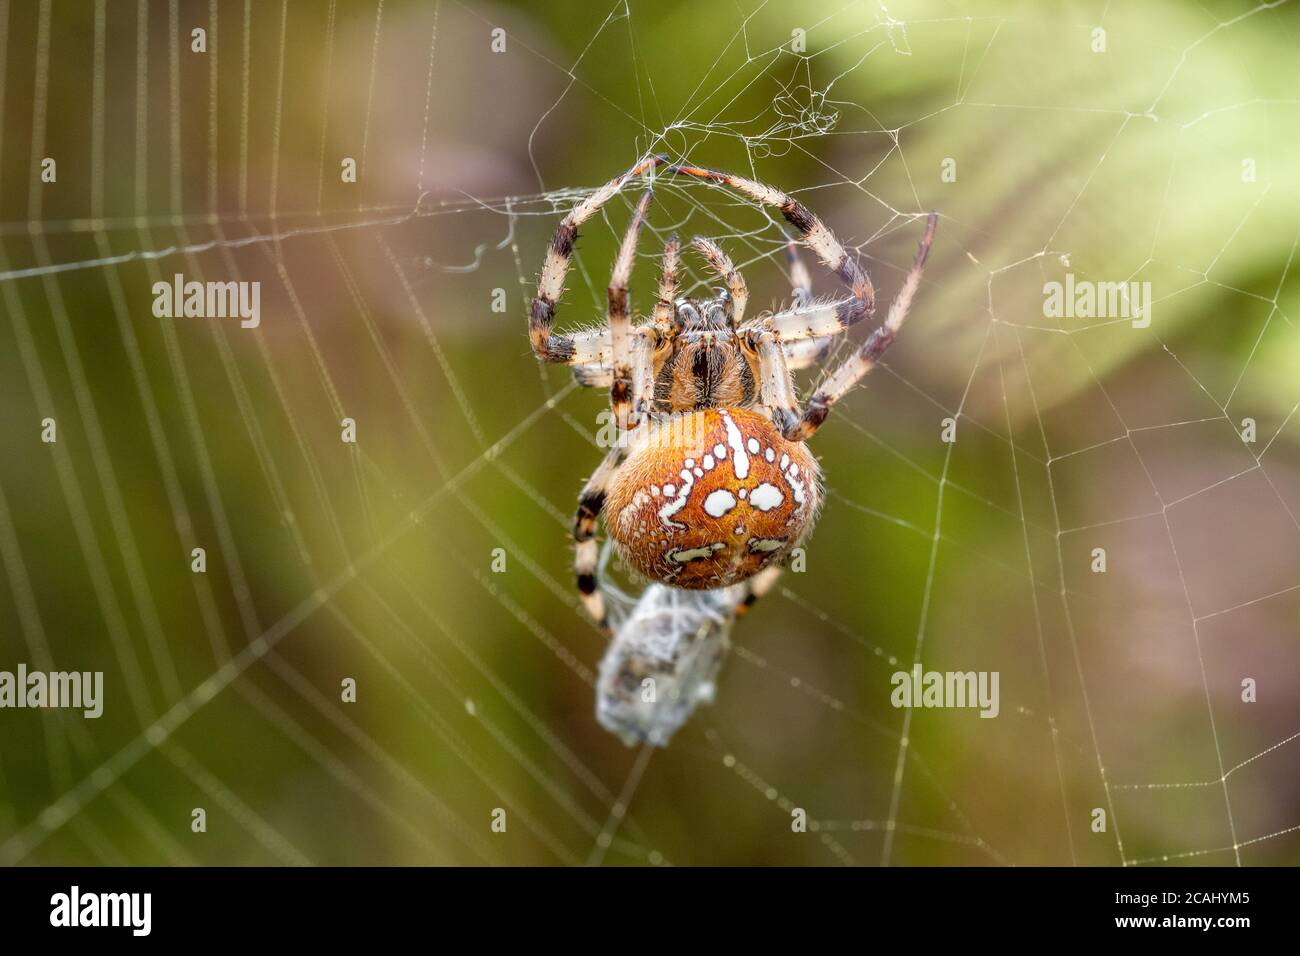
x=566 y=234
x=559 y=348
x=785 y=419
x=880 y=340
x=813 y=416
x=850 y=312
x=617 y=297
x=541 y=312
x=584 y=524
x=797 y=214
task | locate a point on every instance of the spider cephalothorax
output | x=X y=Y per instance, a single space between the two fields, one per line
x=710 y=483
x=702 y=362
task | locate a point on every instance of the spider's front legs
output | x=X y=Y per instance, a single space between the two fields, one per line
x=620 y=321
x=836 y=385
x=590 y=503
x=597 y=374
x=559 y=255
x=864 y=359
x=725 y=270
x=815 y=234
x=665 y=315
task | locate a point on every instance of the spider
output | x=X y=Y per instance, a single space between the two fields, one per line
x=725 y=500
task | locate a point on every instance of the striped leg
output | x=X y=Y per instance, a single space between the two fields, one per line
x=600 y=374
x=541 y=314
x=643 y=372
x=726 y=270
x=757 y=586
x=775 y=389
x=620 y=319
x=815 y=234
x=590 y=503
x=803 y=353
x=800 y=281
x=589 y=346
x=864 y=359
x=816 y=320
x=665 y=315
x=593 y=375
x=664 y=324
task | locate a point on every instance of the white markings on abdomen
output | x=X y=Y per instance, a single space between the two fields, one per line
x=719 y=502
x=677 y=504
x=791 y=475
x=740 y=458
x=766 y=497
x=683 y=555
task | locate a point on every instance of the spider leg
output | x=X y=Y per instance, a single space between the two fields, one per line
x=864 y=358
x=814 y=320
x=726 y=270
x=559 y=255
x=775 y=388
x=804 y=353
x=665 y=312
x=663 y=325
x=757 y=586
x=598 y=373
x=620 y=320
x=591 y=501
x=643 y=373
x=590 y=345
x=593 y=375
x=815 y=234
x=800 y=281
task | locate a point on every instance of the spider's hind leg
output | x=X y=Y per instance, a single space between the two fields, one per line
x=757 y=586
x=591 y=501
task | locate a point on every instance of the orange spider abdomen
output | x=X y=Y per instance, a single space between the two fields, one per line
x=705 y=499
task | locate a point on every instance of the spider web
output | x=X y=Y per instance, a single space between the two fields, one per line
x=1121 y=691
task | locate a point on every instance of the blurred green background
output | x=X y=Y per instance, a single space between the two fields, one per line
x=1161 y=149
